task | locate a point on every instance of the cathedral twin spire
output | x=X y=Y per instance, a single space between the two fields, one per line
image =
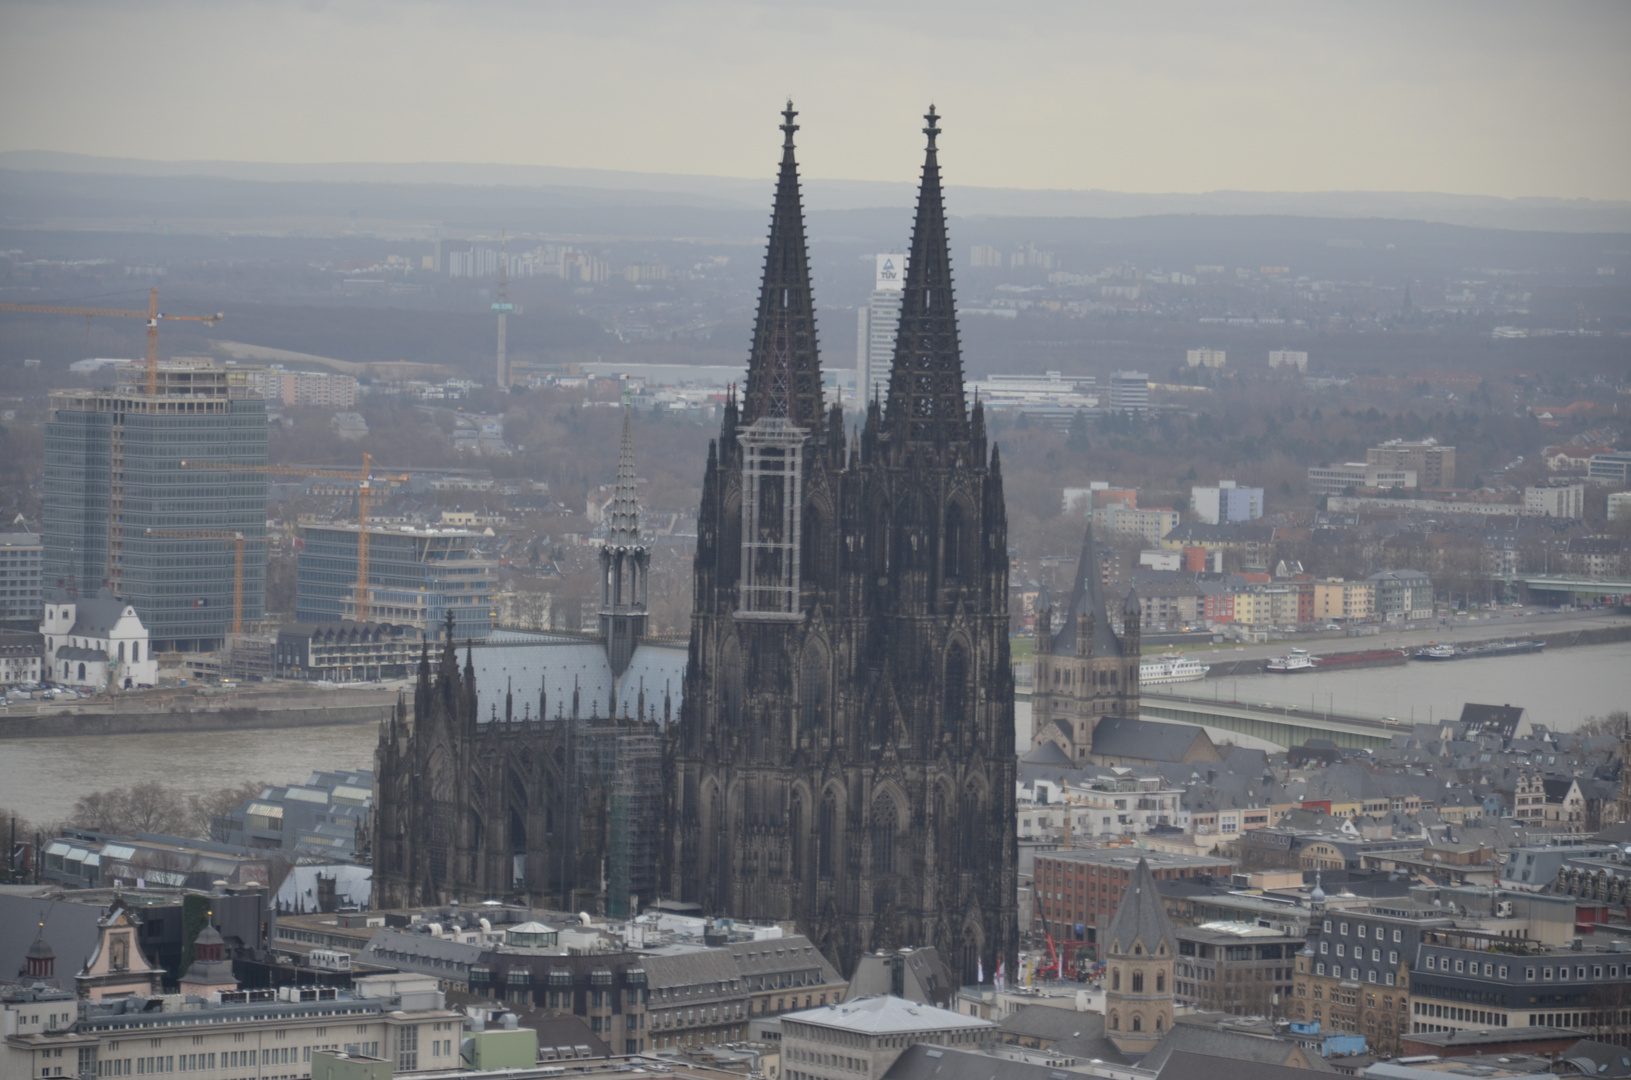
x=926 y=382
x=784 y=372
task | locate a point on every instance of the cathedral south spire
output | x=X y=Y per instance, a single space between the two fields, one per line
x=926 y=383
x=784 y=370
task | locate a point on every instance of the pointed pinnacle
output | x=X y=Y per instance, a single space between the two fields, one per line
x=788 y=127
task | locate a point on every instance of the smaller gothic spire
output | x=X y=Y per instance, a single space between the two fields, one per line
x=624 y=520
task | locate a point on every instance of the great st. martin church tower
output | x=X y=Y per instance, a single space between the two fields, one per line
x=845 y=751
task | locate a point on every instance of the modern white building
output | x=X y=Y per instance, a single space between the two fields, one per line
x=860 y=1039
x=96 y=642
x=1212 y=358
x=1226 y=503
x=875 y=331
x=1559 y=502
x=1288 y=358
x=1129 y=392
x=1336 y=479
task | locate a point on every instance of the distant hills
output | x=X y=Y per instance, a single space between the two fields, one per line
x=602 y=188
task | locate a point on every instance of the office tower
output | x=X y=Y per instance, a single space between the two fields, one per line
x=875 y=337
x=416 y=577
x=121 y=510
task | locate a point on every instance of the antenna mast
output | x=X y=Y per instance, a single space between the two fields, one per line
x=503 y=307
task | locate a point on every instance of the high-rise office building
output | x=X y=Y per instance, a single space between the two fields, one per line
x=121 y=510
x=875 y=336
x=415 y=578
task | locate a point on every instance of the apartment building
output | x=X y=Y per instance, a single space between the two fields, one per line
x=1434 y=465
x=1151 y=524
x=1568 y=501
x=1337 y=600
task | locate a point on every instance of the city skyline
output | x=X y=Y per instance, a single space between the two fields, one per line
x=1489 y=100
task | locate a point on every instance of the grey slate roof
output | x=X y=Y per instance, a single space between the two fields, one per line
x=513 y=661
x=94 y=616
x=1130 y=737
x=1189 y=1065
x=922 y=1061
x=1087 y=597
x=422 y=954
x=1204 y=1039
x=1140 y=917
x=696 y=972
x=1078 y=1034
x=1595 y=1058
x=70 y=929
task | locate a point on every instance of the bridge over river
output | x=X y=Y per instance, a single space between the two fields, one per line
x=1283 y=725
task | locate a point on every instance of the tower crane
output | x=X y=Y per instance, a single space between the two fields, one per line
x=364 y=479
x=239 y=540
x=152 y=315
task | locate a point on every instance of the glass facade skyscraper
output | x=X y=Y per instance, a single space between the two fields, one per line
x=116 y=494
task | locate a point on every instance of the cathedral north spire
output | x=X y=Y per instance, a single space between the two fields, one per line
x=926 y=383
x=784 y=369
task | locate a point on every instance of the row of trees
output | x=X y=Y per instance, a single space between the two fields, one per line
x=148 y=807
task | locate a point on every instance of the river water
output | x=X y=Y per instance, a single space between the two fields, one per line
x=1558 y=688
x=41 y=778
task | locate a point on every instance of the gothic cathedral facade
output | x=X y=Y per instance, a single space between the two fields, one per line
x=560 y=810
x=844 y=757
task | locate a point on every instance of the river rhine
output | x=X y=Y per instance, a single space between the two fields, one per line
x=41 y=778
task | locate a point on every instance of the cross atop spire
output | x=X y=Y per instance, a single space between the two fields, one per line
x=788 y=127
x=784 y=367
x=934 y=125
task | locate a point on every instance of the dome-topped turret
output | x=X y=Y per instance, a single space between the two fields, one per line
x=40 y=962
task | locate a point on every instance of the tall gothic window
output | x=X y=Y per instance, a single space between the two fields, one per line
x=795 y=836
x=829 y=836
x=883 y=837
x=813 y=707
x=812 y=547
x=954 y=544
x=956 y=714
x=1138 y=982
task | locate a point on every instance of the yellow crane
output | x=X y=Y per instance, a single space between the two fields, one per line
x=364 y=479
x=239 y=540
x=152 y=315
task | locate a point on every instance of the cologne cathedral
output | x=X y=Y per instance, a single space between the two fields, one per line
x=844 y=756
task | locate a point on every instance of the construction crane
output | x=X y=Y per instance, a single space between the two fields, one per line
x=364 y=480
x=152 y=315
x=239 y=540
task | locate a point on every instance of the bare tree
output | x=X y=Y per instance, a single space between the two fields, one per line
x=203 y=808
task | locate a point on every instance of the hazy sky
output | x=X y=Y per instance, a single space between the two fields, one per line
x=1492 y=98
